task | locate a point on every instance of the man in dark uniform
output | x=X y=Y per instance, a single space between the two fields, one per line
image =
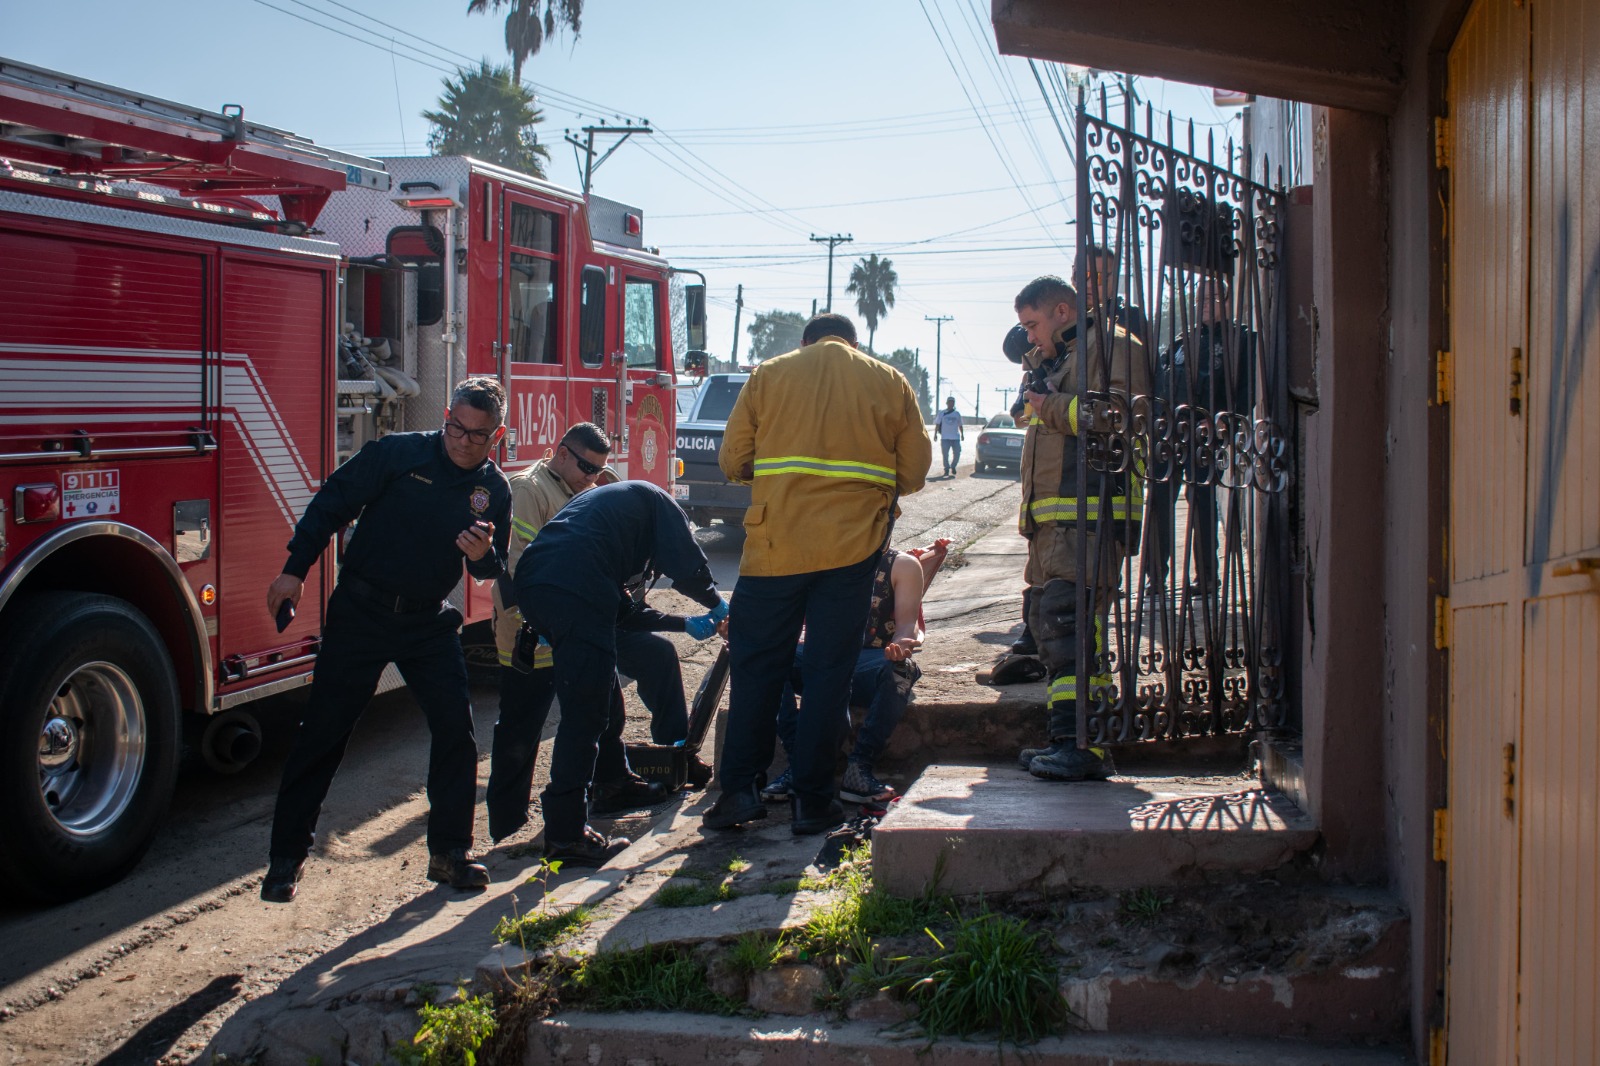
x=571 y=586
x=425 y=501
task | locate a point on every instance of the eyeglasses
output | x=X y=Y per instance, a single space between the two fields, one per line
x=456 y=431
x=583 y=464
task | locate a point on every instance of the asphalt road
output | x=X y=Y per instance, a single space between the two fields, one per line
x=147 y=970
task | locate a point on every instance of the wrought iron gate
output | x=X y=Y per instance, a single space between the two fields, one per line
x=1179 y=247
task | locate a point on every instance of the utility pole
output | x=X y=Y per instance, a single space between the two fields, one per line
x=836 y=239
x=738 y=306
x=977 y=397
x=590 y=164
x=938 y=352
x=1005 y=398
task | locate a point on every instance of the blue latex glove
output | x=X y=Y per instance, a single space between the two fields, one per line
x=720 y=611
x=700 y=627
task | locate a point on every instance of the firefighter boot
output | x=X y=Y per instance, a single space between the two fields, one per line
x=1026 y=756
x=1072 y=763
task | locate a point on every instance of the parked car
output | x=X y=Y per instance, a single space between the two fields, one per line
x=703 y=412
x=999 y=446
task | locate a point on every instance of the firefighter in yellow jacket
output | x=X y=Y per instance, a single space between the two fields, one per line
x=829 y=438
x=1052 y=502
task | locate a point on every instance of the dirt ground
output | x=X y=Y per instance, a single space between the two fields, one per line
x=147 y=970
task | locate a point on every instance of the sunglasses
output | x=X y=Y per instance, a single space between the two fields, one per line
x=456 y=431
x=583 y=464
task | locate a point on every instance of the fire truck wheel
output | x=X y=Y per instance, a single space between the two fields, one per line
x=89 y=742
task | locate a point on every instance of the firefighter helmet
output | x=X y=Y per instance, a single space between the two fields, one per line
x=1016 y=344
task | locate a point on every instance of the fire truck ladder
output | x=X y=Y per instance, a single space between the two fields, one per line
x=83 y=128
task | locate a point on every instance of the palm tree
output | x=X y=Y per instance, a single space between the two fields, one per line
x=487 y=114
x=873 y=281
x=530 y=23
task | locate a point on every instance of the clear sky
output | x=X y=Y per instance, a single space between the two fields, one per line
x=893 y=121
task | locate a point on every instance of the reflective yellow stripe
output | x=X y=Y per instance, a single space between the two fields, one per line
x=1035 y=421
x=1065 y=689
x=528 y=531
x=1072 y=414
x=1065 y=509
x=807 y=464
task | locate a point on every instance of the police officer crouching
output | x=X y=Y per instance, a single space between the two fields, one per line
x=426 y=501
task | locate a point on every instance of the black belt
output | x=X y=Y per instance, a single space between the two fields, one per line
x=383 y=598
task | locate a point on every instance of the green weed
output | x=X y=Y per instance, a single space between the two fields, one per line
x=994 y=975
x=786 y=887
x=647 y=979
x=737 y=864
x=754 y=952
x=450 y=1035
x=541 y=928
x=1144 y=905
x=694 y=894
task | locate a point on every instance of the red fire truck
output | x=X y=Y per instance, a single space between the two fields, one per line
x=201 y=316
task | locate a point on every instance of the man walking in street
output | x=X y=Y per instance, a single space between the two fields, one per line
x=948 y=429
x=426 y=501
x=829 y=438
x=1053 y=502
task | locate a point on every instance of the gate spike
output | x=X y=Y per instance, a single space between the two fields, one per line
x=1191 y=136
x=1169 y=130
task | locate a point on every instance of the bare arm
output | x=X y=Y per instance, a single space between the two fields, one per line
x=906 y=578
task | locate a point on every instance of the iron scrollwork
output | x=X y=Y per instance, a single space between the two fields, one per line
x=1193 y=636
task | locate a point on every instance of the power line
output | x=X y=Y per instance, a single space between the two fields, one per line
x=962 y=82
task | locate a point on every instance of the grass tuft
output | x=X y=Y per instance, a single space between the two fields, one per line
x=1144 y=905
x=754 y=952
x=694 y=894
x=648 y=979
x=541 y=928
x=994 y=975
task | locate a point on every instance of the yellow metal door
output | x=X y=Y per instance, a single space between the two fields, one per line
x=1524 y=725
x=1486 y=139
x=1559 y=753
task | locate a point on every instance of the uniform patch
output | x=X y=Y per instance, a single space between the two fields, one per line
x=479 y=501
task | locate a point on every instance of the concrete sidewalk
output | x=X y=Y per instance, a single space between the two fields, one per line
x=358 y=1000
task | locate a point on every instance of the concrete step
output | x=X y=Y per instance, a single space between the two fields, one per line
x=997 y=829
x=673 y=1039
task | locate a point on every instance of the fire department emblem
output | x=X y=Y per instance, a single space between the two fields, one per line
x=649 y=450
x=480 y=500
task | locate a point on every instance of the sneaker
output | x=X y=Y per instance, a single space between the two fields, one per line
x=593 y=848
x=779 y=790
x=283 y=877
x=1074 y=764
x=859 y=786
x=734 y=807
x=1026 y=756
x=628 y=794
x=458 y=869
x=806 y=819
